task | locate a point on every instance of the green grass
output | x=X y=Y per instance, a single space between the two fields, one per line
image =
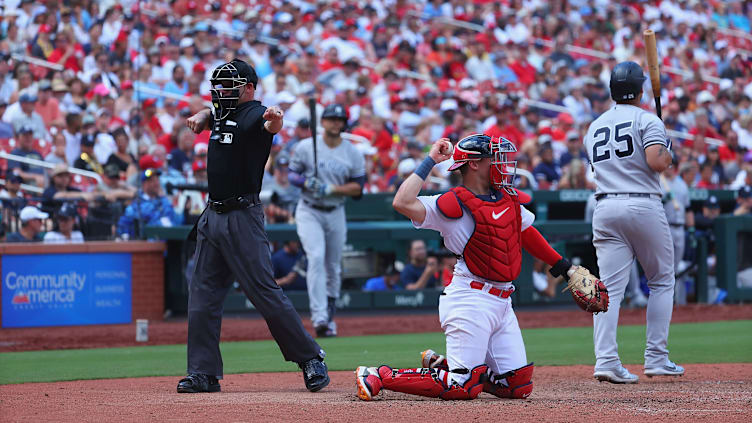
x=712 y=342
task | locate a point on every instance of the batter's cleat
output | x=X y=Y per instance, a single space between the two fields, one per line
x=324 y=331
x=669 y=369
x=617 y=375
x=315 y=374
x=196 y=382
x=368 y=382
x=430 y=360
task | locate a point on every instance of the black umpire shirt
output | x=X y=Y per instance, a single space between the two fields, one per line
x=238 y=150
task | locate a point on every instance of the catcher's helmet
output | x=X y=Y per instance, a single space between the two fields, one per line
x=472 y=147
x=334 y=111
x=626 y=81
x=479 y=146
x=226 y=81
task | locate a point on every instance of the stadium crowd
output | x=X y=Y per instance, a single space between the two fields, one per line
x=105 y=86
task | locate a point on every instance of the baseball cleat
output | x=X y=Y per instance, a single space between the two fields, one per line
x=670 y=369
x=617 y=375
x=368 y=382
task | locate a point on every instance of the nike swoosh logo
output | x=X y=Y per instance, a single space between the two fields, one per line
x=497 y=216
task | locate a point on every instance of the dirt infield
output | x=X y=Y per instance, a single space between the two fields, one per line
x=714 y=393
x=251 y=329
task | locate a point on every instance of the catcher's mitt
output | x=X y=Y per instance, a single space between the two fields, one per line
x=588 y=291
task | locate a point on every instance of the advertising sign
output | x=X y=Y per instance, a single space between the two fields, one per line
x=66 y=289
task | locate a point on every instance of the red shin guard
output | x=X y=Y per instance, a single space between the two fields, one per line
x=432 y=383
x=519 y=383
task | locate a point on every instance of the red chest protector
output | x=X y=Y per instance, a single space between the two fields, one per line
x=494 y=250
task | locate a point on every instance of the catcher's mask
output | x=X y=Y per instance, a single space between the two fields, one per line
x=226 y=82
x=479 y=146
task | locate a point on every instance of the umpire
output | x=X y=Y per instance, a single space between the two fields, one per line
x=230 y=240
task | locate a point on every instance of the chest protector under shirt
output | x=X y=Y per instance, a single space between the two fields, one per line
x=494 y=250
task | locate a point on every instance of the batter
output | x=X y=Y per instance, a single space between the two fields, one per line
x=485 y=225
x=320 y=214
x=628 y=149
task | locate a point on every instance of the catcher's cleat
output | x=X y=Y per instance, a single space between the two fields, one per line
x=669 y=369
x=368 y=382
x=196 y=382
x=617 y=375
x=430 y=360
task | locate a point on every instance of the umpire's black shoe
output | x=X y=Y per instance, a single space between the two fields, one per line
x=196 y=382
x=315 y=374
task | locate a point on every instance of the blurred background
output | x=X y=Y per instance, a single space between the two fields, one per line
x=94 y=97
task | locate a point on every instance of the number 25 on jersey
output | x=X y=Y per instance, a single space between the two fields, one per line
x=623 y=145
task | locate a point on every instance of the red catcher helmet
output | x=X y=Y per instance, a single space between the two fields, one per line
x=479 y=146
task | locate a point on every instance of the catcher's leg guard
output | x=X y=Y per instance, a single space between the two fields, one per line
x=432 y=383
x=516 y=384
x=368 y=382
x=429 y=359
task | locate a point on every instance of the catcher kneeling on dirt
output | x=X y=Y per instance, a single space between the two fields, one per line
x=484 y=224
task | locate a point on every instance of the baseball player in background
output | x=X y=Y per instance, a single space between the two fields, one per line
x=676 y=204
x=628 y=149
x=484 y=224
x=320 y=214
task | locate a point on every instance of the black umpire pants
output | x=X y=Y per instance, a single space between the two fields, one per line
x=233 y=246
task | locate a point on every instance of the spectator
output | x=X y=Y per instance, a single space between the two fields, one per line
x=178 y=84
x=26 y=117
x=121 y=158
x=60 y=186
x=575 y=149
x=57 y=154
x=30 y=173
x=573 y=176
x=706 y=177
x=419 y=272
x=389 y=281
x=714 y=158
x=47 y=106
x=548 y=172
x=87 y=160
x=181 y=157
x=150 y=208
x=65 y=219
x=72 y=133
x=112 y=187
x=6 y=129
x=289 y=266
x=31 y=226
x=744 y=201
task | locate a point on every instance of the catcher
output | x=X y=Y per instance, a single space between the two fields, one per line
x=484 y=224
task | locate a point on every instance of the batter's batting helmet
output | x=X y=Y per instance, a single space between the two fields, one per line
x=626 y=81
x=334 y=111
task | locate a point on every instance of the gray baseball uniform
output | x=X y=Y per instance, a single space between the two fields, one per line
x=322 y=228
x=628 y=222
x=676 y=212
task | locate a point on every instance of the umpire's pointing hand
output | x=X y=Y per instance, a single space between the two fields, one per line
x=273 y=117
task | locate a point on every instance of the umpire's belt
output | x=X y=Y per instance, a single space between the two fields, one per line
x=319 y=207
x=234 y=203
x=496 y=292
x=600 y=197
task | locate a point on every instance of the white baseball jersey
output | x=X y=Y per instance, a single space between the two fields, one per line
x=615 y=144
x=456 y=232
x=336 y=166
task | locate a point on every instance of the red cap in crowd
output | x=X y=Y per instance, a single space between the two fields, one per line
x=199 y=165
x=148 y=161
x=150 y=102
x=127 y=84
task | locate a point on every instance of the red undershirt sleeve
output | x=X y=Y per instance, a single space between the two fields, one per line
x=534 y=243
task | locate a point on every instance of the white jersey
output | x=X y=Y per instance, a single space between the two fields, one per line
x=337 y=166
x=615 y=144
x=457 y=232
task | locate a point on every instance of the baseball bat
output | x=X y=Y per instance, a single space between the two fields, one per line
x=655 y=73
x=312 y=126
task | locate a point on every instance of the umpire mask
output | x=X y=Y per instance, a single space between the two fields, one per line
x=226 y=81
x=503 y=170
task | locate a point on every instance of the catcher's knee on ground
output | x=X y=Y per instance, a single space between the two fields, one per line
x=516 y=383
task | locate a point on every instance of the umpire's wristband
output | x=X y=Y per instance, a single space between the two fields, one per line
x=560 y=268
x=425 y=168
